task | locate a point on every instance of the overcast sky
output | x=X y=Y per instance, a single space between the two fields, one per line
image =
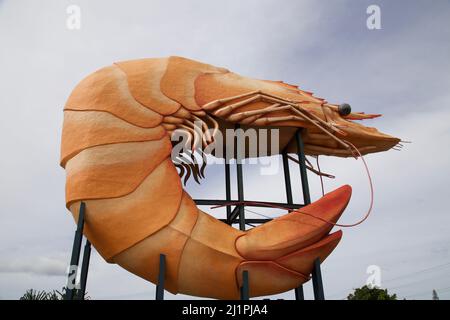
x=401 y=71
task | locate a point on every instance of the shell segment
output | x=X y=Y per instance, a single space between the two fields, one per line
x=107 y=90
x=144 y=80
x=178 y=81
x=86 y=129
x=116 y=152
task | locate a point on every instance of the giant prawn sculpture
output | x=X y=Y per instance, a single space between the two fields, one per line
x=116 y=150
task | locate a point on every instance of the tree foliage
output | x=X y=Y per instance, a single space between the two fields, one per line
x=367 y=293
x=32 y=294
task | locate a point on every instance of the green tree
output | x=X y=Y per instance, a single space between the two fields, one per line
x=366 y=293
x=32 y=294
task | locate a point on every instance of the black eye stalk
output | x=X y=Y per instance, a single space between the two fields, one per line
x=344 y=109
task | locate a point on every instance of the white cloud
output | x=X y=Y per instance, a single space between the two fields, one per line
x=39 y=266
x=401 y=71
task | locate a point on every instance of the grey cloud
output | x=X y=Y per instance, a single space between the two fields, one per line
x=400 y=71
x=39 y=266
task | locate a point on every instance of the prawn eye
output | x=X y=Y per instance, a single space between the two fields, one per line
x=344 y=109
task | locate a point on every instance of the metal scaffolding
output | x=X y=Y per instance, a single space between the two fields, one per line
x=233 y=215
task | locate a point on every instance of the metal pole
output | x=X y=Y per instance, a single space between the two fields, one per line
x=71 y=287
x=161 y=277
x=287 y=179
x=240 y=197
x=302 y=164
x=299 y=295
x=85 y=268
x=228 y=189
x=245 y=288
x=316 y=274
x=240 y=185
x=317 y=281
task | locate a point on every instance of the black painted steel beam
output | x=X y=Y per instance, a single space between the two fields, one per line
x=75 y=258
x=261 y=204
x=234 y=214
x=161 y=277
x=227 y=187
x=317 y=281
x=245 y=294
x=249 y=220
x=85 y=269
x=299 y=294
x=240 y=185
x=302 y=165
x=287 y=179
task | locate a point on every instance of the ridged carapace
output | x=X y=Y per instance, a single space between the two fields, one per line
x=116 y=149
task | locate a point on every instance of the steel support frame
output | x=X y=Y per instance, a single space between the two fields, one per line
x=72 y=292
x=237 y=215
x=161 y=277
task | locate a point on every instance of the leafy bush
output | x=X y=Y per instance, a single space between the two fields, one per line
x=32 y=294
x=366 y=293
